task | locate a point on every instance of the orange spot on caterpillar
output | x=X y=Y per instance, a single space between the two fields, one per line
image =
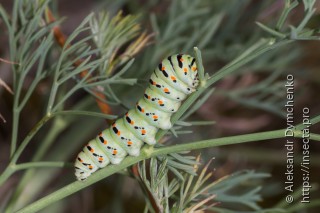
x=166 y=90
x=100 y=159
x=113 y=125
x=142 y=110
x=91 y=150
x=90 y=167
x=105 y=142
x=114 y=152
x=163 y=68
x=148 y=96
x=160 y=102
x=194 y=68
x=181 y=59
x=185 y=69
x=143 y=131
x=173 y=78
x=118 y=133
x=155 y=117
x=129 y=143
x=132 y=122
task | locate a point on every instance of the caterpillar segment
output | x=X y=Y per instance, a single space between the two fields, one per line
x=115 y=151
x=140 y=127
x=159 y=102
x=165 y=90
x=173 y=80
x=126 y=139
x=153 y=116
x=165 y=70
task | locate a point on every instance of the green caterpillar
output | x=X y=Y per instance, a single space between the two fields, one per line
x=173 y=80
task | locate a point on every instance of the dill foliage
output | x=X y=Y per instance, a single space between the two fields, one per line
x=104 y=63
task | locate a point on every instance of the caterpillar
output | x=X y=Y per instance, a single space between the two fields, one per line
x=172 y=81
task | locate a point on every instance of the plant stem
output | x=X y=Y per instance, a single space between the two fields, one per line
x=219 y=142
x=6 y=174
x=11 y=167
x=15 y=125
x=147 y=152
x=313 y=121
x=261 y=47
x=315 y=137
x=30 y=135
x=87 y=113
x=289 y=5
x=42 y=164
x=58 y=125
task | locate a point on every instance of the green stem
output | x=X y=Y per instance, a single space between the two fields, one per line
x=87 y=113
x=58 y=125
x=16 y=80
x=11 y=167
x=30 y=135
x=258 y=49
x=44 y=164
x=53 y=94
x=147 y=152
x=313 y=121
x=15 y=125
x=219 y=142
x=6 y=174
x=315 y=137
x=289 y=5
x=271 y=31
x=16 y=110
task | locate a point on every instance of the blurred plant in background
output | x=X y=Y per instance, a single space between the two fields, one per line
x=56 y=85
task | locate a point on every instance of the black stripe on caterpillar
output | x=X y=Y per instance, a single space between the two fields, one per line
x=172 y=81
